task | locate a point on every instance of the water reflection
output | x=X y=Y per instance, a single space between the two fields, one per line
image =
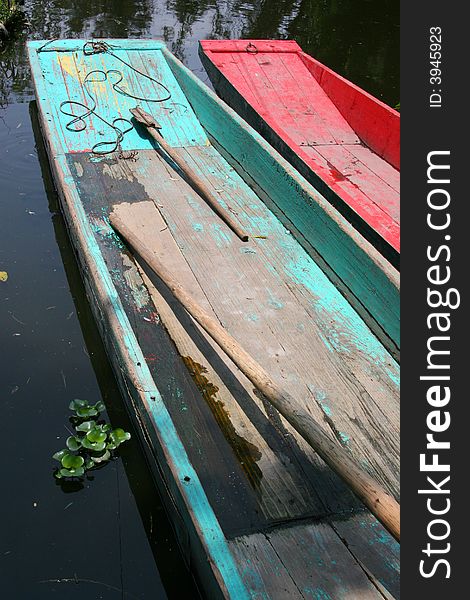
x=358 y=38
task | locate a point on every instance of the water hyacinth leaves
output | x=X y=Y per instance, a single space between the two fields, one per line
x=117 y=437
x=72 y=464
x=84 y=410
x=73 y=443
x=92 y=445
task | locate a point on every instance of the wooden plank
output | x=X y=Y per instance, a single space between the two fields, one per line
x=260 y=45
x=372 y=189
x=262 y=570
x=316 y=560
x=178 y=123
x=367 y=276
x=233 y=499
x=348 y=195
x=313 y=102
x=267 y=460
x=65 y=75
x=374 y=548
x=376 y=164
x=286 y=102
x=344 y=195
x=264 y=314
x=267 y=94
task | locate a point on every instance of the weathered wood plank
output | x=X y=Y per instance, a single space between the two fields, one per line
x=377 y=165
x=267 y=460
x=373 y=189
x=304 y=561
x=312 y=102
x=373 y=547
x=232 y=498
x=345 y=124
x=287 y=332
x=65 y=81
x=262 y=570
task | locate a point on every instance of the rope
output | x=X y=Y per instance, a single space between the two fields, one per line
x=78 y=121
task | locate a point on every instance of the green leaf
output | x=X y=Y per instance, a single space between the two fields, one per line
x=77 y=403
x=86 y=411
x=78 y=472
x=99 y=406
x=72 y=461
x=86 y=426
x=103 y=458
x=95 y=446
x=119 y=436
x=89 y=464
x=58 y=455
x=96 y=435
x=73 y=443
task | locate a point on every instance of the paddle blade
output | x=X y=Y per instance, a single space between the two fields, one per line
x=144 y=117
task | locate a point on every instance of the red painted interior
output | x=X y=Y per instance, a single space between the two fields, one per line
x=346 y=136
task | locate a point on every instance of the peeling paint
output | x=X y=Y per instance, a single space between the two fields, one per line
x=135 y=283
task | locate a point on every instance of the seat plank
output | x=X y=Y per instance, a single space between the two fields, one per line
x=304 y=561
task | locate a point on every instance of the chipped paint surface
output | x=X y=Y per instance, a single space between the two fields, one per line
x=135 y=283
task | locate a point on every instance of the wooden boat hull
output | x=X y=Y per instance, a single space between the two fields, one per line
x=232 y=473
x=343 y=140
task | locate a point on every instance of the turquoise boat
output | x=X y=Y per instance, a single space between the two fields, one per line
x=257 y=513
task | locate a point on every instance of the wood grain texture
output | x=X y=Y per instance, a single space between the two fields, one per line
x=366 y=274
x=300 y=106
x=376 y=550
x=272 y=468
x=372 y=494
x=305 y=561
x=284 y=310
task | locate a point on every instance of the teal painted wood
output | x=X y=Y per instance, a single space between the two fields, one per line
x=190 y=497
x=64 y=73
x=367 y=276
x=126 y=345
x=347 y=332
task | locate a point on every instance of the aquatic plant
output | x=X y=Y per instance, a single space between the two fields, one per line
x=93 y=443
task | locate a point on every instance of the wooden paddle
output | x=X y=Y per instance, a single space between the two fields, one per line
x=381 y=504
x=144 y=118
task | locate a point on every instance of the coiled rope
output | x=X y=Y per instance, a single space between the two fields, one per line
x=78 y=121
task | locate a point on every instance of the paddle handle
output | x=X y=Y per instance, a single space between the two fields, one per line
x=380 y=503
x=198 y=185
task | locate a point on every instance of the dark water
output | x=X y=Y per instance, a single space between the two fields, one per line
x=111 y=539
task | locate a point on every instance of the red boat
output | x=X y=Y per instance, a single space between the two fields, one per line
x=339 y=137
